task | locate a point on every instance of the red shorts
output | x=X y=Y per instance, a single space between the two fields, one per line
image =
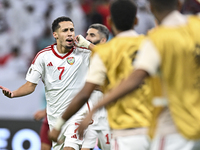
x=44 y=132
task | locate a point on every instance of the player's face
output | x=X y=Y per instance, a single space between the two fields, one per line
x=93 y=36
x=66 y=34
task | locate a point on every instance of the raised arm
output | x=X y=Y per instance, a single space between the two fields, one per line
x=131 y=83
x=80 y=41
x=25 y=89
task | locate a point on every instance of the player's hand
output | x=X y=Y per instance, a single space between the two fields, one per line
x=84 y=124
x=53 y=135
x=6 y=92
x=39 y=115
x=80 y=41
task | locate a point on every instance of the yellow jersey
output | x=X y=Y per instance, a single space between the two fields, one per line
x=135 y=109
x=180 y=67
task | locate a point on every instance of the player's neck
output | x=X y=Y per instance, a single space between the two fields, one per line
x=62 y=49
x=160 y=16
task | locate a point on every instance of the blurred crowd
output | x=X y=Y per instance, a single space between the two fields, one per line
x=25 y=26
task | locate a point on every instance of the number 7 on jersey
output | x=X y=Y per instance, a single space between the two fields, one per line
x=62 y=70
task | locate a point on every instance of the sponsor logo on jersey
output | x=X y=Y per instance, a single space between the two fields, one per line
x=50 y=64
x=71 y=60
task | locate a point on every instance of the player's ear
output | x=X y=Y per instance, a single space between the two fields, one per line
x=55 y=35
x=103 y=40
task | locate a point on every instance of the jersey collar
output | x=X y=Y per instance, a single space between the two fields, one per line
x=59 y=56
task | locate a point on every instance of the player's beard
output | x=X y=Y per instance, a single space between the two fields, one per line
x=95 y=42
x=69 y=47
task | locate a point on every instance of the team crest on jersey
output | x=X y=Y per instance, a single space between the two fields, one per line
x=71 y=60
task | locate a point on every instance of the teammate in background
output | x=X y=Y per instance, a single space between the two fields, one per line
x=176 y=54
x=62 y=68
x=46 y=144
x=97 y=34
x=130 y=117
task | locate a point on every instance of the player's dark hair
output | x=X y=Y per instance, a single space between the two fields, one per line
x=164 y=5
x=103 y=30
x=55 y=24
x=123 y=13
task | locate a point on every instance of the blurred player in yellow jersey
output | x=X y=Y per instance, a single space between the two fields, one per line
x=129 y=118
x=173 y=48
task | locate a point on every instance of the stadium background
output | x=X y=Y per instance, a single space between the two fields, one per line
x=25 y=28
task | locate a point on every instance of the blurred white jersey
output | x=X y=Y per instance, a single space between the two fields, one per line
x=95 y=97
x=100 y=128
x=63 y=76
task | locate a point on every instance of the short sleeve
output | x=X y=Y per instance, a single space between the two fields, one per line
x=33 y=75
x=35 y=70
x=97 y=71
x=148 y=58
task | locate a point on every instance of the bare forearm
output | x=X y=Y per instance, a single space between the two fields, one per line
x=74 y=106
x=125 y=87
x=25 y=89
x=79 y=100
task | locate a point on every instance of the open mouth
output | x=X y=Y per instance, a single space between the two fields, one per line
x=69 y=40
